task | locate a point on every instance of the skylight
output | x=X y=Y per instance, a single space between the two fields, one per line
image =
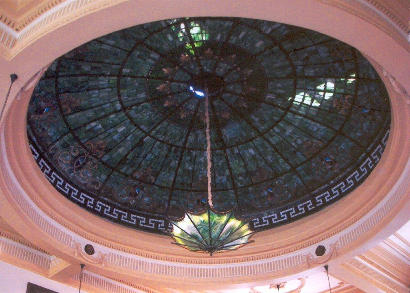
x=350 y=80
x=325 y=91
x=192 y=30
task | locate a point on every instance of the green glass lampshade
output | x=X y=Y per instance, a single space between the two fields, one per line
x=211 y=232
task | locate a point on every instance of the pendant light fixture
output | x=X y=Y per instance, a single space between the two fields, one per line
x=13 y=78
x=328 y=280
x=81 y=276
x=211 y=231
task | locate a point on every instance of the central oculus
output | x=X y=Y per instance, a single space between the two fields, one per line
x=207 y=83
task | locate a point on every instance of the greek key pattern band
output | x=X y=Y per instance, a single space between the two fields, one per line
x=99 y=207
x=160 y=225
x=324 y=198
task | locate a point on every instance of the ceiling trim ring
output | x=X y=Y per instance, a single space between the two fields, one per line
x=17 y=34
x=30 y=205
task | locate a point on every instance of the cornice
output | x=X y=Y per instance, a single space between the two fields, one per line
x=398 y=249
x=32 y=201
x=103 y=284
x=15 y=34
x=379 y=13
x=17 y=253
x=18 y=31
x=348 y=289
x=396 y=270
x=27 y=257
x=38 y=262
x=21 y=240
x=380 y=279
x=17 y=18
x=386 y=8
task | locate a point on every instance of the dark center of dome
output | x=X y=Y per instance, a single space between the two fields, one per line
x=207 y=83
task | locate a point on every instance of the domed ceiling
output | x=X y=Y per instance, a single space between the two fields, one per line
x=296 y=117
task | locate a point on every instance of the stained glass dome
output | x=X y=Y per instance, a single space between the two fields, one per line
x=117 y=125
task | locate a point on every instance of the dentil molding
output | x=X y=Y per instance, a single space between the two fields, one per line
x=21 y=180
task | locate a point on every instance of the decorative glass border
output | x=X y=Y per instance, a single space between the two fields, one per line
x=307 y=205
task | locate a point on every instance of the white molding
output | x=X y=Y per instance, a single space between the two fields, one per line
x=386 y=18
x=9 y=37
x=11 y=248
x=68 y=6
x=114 y=259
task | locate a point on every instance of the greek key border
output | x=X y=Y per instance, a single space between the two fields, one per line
x=317 y=200
x=97 y=206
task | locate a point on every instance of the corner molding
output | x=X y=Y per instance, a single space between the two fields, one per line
x=366 y=271
x=15 y=36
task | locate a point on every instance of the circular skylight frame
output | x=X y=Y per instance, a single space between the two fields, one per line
x=287 y=212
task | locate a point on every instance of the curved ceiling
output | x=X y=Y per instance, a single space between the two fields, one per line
x=294 y=116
